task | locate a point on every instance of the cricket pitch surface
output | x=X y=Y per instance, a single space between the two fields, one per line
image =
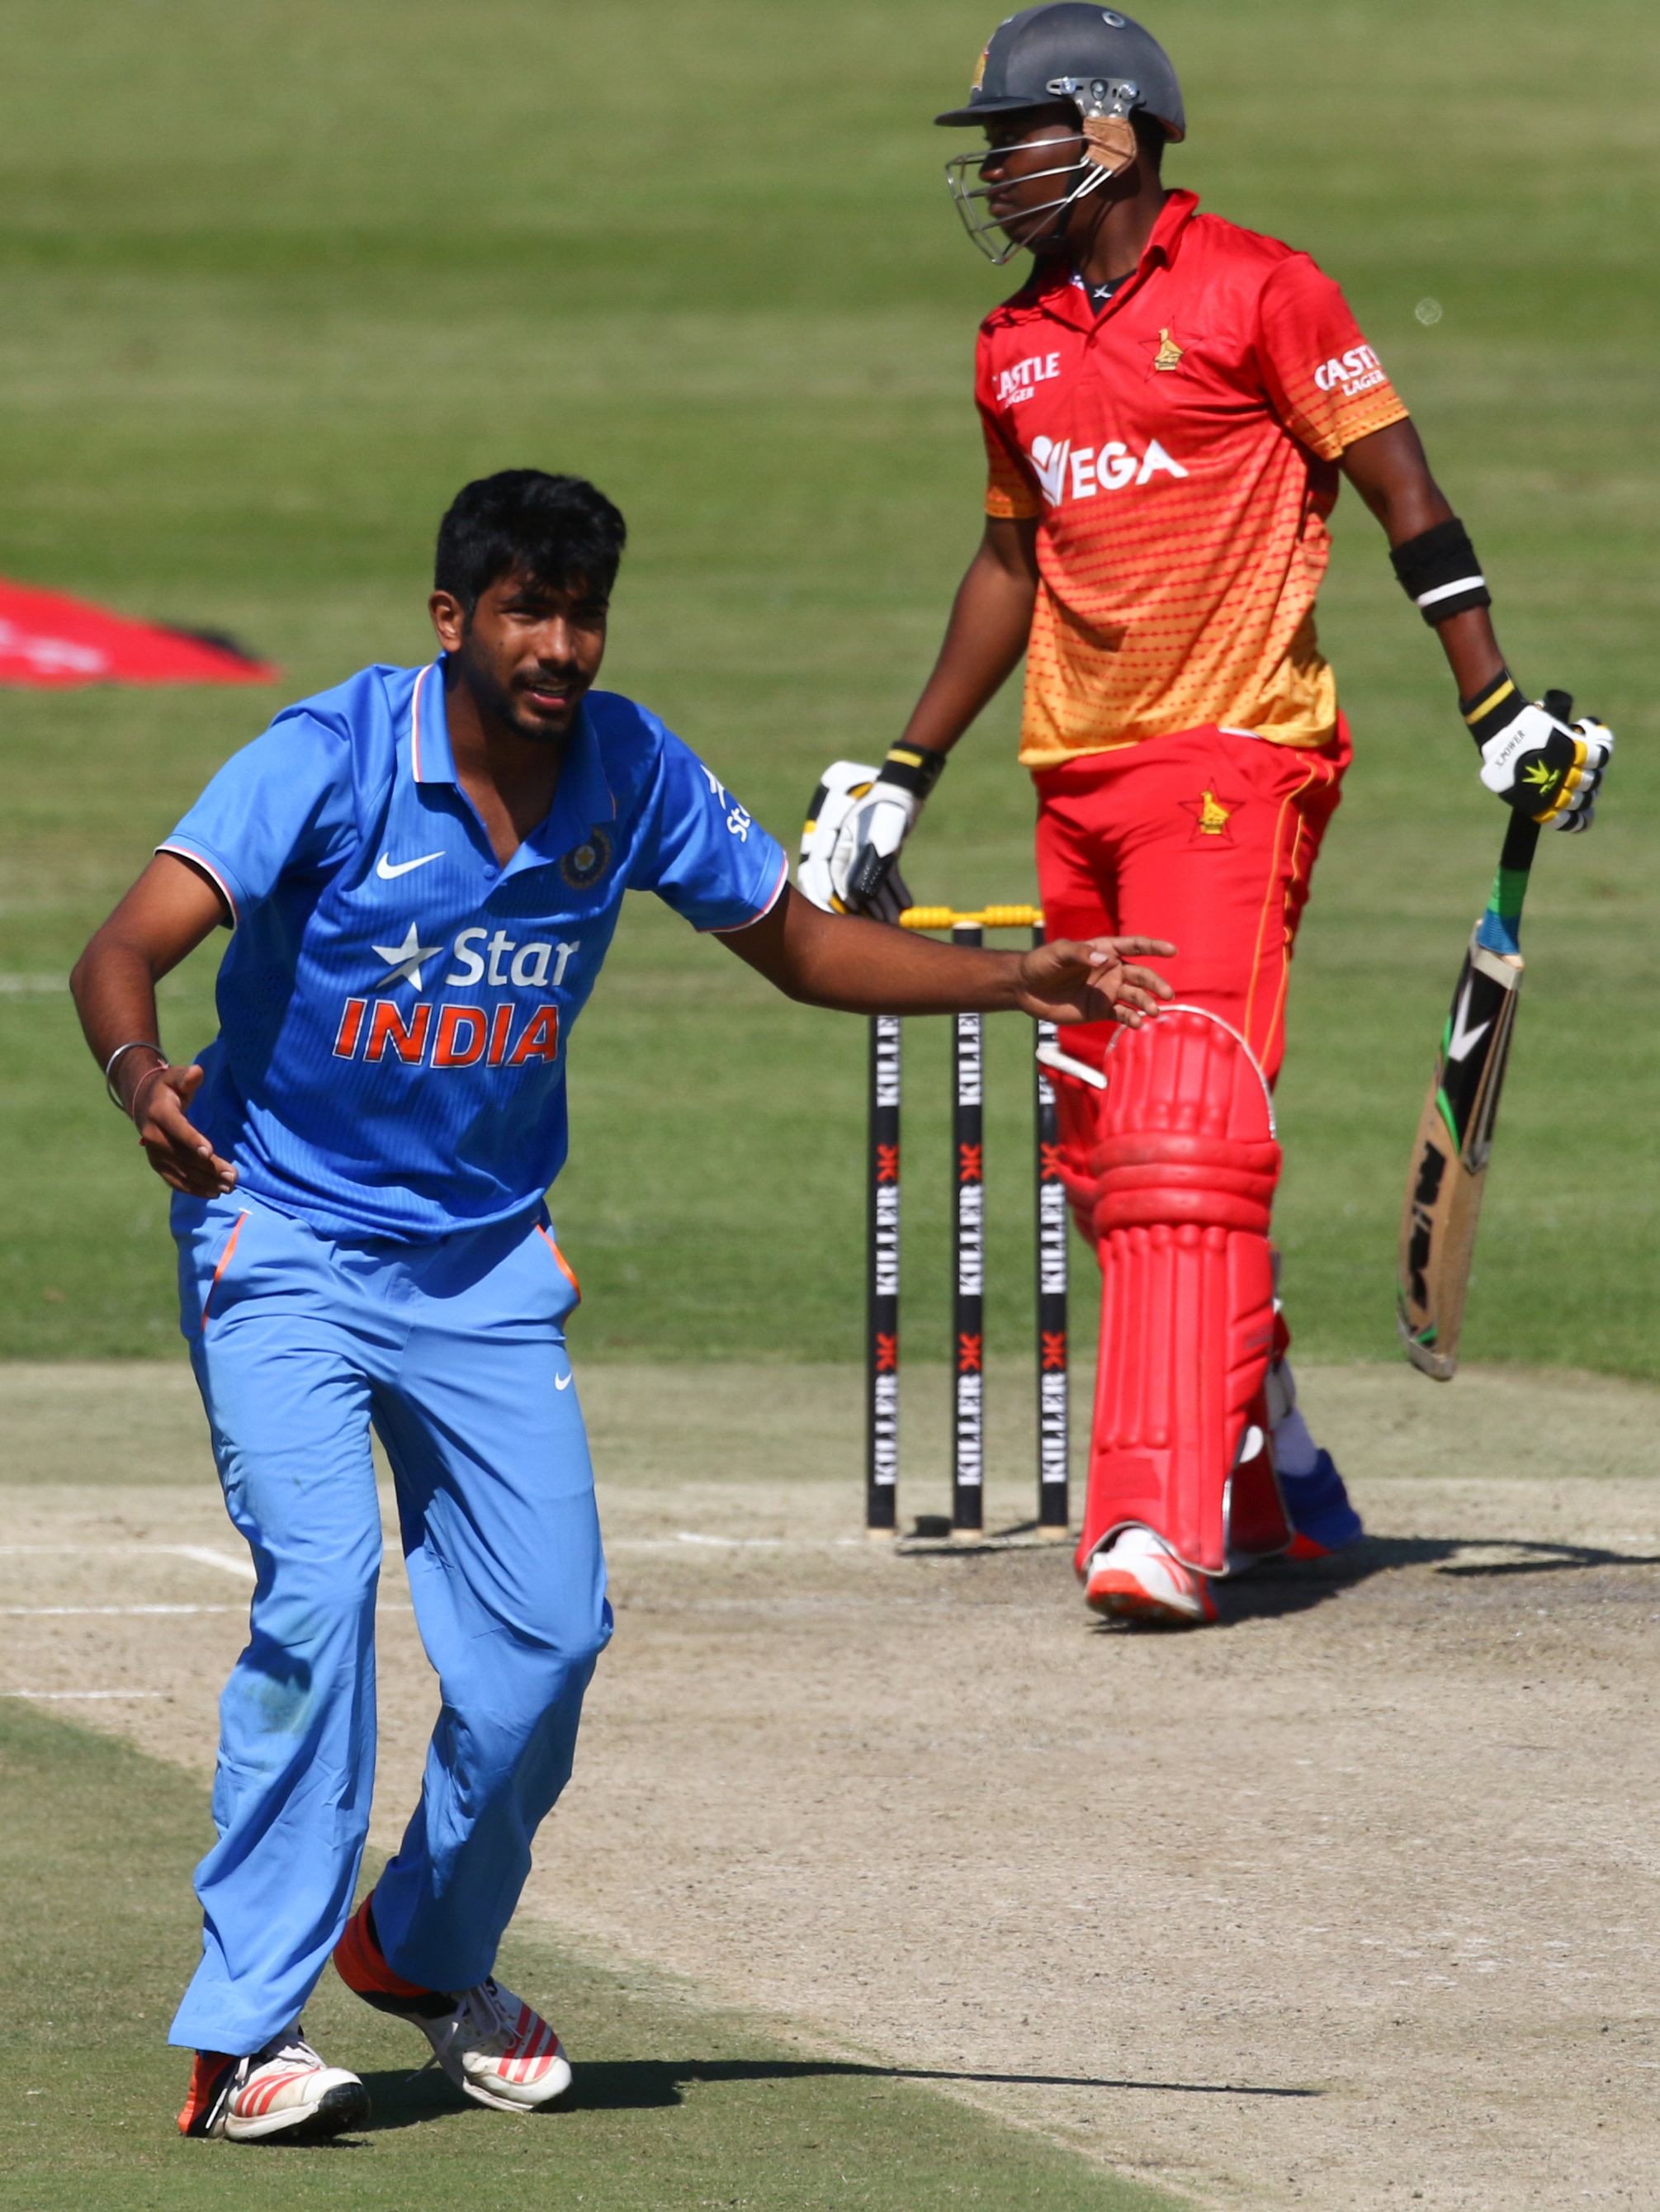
x=1348 y=1902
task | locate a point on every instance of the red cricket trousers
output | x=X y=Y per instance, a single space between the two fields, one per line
x=1206 y=837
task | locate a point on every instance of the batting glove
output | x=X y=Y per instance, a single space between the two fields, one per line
x=1546 y=768
x=857 y=823
x=863 y=864
x=822 y=871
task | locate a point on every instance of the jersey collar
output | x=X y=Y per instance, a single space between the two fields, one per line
x=431 y=760
x=582 y=800
x=1057 y=295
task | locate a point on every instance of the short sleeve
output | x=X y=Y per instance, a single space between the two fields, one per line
x=281 y=806
x=1011 y=494
x=701 y=853
x=1324 y=382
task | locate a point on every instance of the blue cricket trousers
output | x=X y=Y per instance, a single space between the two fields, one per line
x=454 y=1353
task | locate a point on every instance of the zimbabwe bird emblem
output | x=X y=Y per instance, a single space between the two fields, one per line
x=1211 y=816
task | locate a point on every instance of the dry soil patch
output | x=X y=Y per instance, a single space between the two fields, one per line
x=1348 y=1902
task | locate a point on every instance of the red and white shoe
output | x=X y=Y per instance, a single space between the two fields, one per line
x=1138 y=1578
x=496 y=2049
x=284 y=2090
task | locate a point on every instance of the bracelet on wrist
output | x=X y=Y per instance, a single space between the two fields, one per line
x=134 y=1044
x=160 y=1067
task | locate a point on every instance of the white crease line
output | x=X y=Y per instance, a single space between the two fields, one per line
x=731 y=1543
x=57 y=1697
x=124 y=1612
x=205 y=1556
x=135 y=1612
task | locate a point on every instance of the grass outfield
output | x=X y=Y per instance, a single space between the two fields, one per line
x=677 y=2105
x=279 y=279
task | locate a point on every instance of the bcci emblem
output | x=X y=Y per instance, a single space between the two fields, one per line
x=584 y=867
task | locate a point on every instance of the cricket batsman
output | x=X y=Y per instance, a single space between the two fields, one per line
x=1169 y=404
x=422 y=870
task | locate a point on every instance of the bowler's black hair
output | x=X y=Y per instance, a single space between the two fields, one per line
x=558 y=529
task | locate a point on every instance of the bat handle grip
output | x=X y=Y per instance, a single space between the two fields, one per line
x=1523 y=836
x=1521 y=842
x=1502 y=921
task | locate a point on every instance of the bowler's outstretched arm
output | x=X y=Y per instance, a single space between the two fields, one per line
x=859 y=967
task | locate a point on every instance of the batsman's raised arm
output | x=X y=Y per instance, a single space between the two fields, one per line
x=861 y=967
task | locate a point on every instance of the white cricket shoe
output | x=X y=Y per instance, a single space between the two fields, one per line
x=497 y=2049
x=494 y=2047
x=1137 y=1577
x=284 y=2090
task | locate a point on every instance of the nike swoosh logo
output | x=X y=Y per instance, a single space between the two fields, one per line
x=1463 y=1040
x=386 y=869
x=563 y=1382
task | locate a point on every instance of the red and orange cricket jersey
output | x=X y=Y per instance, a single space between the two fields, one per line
x=1180 y=446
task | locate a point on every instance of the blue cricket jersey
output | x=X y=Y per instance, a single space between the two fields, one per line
x=395 y=1007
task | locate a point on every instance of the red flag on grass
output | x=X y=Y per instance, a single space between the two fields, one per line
x=49 y=640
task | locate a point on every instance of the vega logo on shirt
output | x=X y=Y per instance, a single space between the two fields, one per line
x=1067 y=471
x=1351 y=372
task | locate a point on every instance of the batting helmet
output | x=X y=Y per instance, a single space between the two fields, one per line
x=1103 y=64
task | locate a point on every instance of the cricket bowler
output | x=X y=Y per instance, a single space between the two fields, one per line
x=1170 y=405
x=422 y=870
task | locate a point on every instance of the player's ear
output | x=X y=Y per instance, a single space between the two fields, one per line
x=449 y=619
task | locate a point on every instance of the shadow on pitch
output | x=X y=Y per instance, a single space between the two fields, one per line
x=638 y=2085
x=1280 y=1588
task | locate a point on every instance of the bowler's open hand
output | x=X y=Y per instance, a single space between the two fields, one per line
x=174 y=1147
x=1094 y=981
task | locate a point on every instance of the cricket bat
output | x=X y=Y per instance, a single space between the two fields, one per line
x=1454 y=1144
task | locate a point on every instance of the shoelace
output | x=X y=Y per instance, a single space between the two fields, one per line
x=481 y=2011
x=482 y=2008
x=289 y=2048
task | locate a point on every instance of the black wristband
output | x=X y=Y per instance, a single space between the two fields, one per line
x=1493 y=706
x=913 y=769
x=1439 y=571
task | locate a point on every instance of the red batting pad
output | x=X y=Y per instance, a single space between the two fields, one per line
x=1184 y=1173
x=49 y=641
